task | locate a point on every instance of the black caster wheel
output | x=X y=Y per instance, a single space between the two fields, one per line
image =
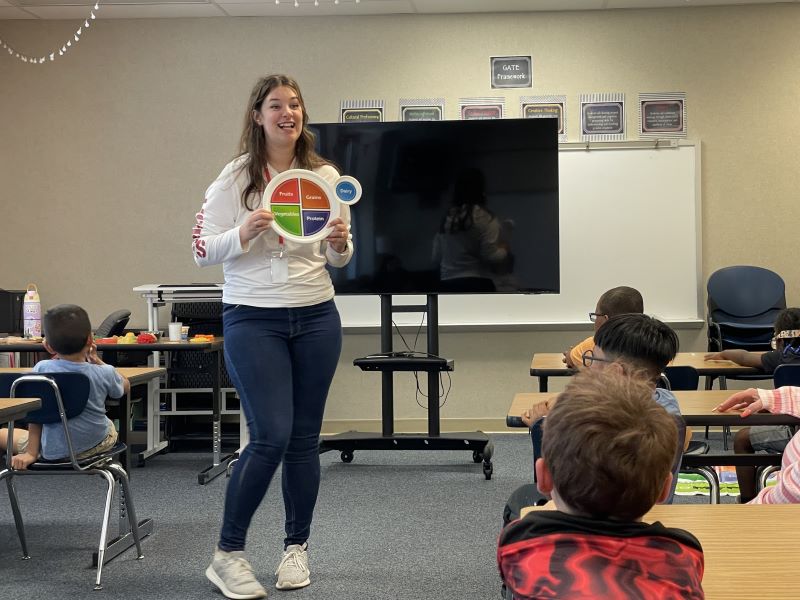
x=476 y=456
x=488 y=469
x=347 y=456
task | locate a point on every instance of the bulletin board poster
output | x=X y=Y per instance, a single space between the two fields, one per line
x=602 y=117
x=510 y=72
x=662 y=115
x=472 y=109
x=421 y=109
x=361 y=111
x=546 y=107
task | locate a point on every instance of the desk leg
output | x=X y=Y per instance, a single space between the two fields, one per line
x=219 y=464
x=124 y=428
x=154 y=442
x=542 y=383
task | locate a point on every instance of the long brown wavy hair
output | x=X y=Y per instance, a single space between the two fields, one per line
x=253 y=143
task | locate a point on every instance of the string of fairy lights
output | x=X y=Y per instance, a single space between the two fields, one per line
x=71 y=41
x=76 y=37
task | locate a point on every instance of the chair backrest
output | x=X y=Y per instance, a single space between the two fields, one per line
x=787 y=374
x=113 y=324
x=681 y=378
x=60 y=393
x=745 y=291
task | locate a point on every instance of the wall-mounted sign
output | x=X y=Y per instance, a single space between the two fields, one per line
x=546 y=107
x=361 y=111
x=662 y=115
x=421 y=109
x=511 y=72
x=603 y=117
x=481 y=108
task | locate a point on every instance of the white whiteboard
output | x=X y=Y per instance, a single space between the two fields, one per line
x=629 y=214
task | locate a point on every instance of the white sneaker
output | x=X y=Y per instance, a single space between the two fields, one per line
x=233 y=575
x=293 y=571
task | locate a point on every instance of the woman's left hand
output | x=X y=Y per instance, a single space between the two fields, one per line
x=340 y=233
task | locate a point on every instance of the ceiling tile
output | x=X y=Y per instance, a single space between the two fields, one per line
x=481 y=6
x=129 y=11
x=249 y=8
x=12 y=12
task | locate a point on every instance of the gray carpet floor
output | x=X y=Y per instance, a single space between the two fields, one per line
x=390 y=525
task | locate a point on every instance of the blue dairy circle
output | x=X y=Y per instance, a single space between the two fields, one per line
x=345 y=191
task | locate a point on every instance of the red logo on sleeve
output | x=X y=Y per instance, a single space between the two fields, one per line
x=198 y=243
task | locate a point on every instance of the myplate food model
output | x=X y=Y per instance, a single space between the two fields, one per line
x=303 y=203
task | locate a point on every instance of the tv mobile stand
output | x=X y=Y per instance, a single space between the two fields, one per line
x=387 y=362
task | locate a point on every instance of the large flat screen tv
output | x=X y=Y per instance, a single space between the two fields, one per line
x=449 y=207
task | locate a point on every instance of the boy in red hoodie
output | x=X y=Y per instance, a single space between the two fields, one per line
x=607 y=452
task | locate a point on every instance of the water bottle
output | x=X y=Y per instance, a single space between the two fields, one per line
x=32 y=312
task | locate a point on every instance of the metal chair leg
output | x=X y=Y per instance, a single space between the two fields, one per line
x=20 y=525
x=126 y=504
x=710 y=475
x=104 y=530
x=764 y=474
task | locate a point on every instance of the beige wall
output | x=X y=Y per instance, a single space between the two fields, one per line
x=105 y=154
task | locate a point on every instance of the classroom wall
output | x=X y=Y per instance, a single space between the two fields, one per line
x=105 y=153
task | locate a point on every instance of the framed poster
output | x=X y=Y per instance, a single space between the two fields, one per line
x=662 y=115
x=481 y=108
x=510 y=72
x=546 y=107
x=421 y=109
x=602 y=117
x=361 y=111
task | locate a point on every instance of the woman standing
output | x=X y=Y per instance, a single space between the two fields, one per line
x=282 y=331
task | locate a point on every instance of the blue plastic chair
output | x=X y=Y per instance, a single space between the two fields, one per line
x=787 y=374
x=743 y=302
x=64 y=396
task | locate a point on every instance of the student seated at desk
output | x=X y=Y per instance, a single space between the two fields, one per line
x=770 y=438
x=616 y=301
x=632 y=344
x=785 y=400
x=607 y=453
x=68 y=335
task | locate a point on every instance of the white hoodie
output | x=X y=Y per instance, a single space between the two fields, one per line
x=215 y=239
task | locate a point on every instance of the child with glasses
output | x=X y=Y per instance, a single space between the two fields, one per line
x=633 y=345
x=770 y=438
x=607 y=453
x=616 y=301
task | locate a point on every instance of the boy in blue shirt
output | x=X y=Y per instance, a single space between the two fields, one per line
x=68 y=335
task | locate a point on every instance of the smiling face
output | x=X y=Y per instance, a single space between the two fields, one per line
x=281 y=117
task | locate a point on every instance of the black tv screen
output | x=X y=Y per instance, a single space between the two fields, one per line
x=449 y=207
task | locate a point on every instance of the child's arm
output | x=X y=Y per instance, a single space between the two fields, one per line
x=92 y=357
x=536 y=412
x=740 y=357
x=27 y=458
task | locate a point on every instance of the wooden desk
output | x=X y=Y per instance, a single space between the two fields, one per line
x=551 y=364
x=148 y=376
x=12 y=409
x=696 y=408
x=750 y=550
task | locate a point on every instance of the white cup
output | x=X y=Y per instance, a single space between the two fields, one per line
x=175 y=331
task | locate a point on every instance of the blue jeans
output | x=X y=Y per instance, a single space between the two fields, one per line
x=282 y=362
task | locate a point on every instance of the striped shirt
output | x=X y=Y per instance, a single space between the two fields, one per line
x=785 y=400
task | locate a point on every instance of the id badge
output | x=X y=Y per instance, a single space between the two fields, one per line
x=279 y=266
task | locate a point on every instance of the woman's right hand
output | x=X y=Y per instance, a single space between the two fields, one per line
x=257 y=222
